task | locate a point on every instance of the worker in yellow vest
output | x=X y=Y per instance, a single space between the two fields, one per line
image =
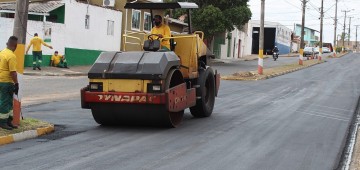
x=36 y=42
x=8 y=83
x=58 y=60
x=161 y=30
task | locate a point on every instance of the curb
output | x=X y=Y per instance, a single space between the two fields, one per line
x=55 y=74
x=273 y=75
x=293 y=55
x=288 y=71
x=252 y=59
x=338 y=56
x=25 y=135
x=255 y=58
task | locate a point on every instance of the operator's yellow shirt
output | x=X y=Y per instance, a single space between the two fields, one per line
x=7 y=65
x=36 y=43
x=56 y=59
x=164 y=30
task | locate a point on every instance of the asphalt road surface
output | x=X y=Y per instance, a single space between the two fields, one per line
x=296 y=121
x=45 y=89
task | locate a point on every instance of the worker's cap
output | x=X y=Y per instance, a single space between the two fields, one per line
x=157 y=18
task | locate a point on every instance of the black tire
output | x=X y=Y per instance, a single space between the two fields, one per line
x=109 y=114
x=102 y=117
x=204 y=106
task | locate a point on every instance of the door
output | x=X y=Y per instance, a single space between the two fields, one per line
x=239 y=49
x=229 y=47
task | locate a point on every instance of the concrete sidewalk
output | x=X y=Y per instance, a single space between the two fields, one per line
x=250 y=58
x=54 y=71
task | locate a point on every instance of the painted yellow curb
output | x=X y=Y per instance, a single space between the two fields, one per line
x=45 y=130
x=6 y=139
x=25 y=135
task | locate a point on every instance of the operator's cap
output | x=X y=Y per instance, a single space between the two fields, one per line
x=157 y=17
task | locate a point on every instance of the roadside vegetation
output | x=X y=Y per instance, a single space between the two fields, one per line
x=25 y=124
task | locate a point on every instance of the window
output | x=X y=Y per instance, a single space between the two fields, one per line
x=87 y=21
x=110 y=27
x=135 y=20
x=147 y=21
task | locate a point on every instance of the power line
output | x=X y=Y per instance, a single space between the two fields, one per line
x=330 y=7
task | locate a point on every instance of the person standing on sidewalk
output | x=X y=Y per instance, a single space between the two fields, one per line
x=8 y=83
x=36 y=42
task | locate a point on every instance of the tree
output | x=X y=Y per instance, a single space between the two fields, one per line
x=210 y=20
x=217 y=16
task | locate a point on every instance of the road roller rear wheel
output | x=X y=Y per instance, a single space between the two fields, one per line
x=204 y=106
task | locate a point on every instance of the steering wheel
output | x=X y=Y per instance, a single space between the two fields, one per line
x=150 y=37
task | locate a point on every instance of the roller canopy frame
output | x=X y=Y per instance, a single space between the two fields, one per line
x=175 y=5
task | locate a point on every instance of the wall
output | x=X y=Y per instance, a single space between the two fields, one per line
x=72 y=34
x=58 y=32
x=74 y=56
x=81 y=56
x=223 y=40
x=282 y=39
x=95 y=37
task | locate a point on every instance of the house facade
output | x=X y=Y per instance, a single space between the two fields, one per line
x=310 y=35
x=77 y=29
x=240 y=43
x=136 y=22
x=72 y=28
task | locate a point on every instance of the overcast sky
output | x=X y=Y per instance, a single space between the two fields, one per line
x=288 y=12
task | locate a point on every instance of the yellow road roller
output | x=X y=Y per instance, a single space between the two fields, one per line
x=152 y=86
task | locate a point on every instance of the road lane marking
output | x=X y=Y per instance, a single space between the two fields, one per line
x=335 y=108
x=324 y=116
x=328 y=113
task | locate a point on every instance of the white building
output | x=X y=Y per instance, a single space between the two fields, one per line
x=240 y=43
x=78 y=30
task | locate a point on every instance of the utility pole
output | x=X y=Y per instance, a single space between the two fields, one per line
x=335 y=25
x=343 y=35
x=356 y=41
x=321 y=29
x=349 y=32
x=20 y=26
x=302 y=43
x=261 y=41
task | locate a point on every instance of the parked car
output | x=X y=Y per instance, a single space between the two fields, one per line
x=316 y=50
x=326 y=50
x=308 y=51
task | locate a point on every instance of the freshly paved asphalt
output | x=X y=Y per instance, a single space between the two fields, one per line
x=295 y=121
